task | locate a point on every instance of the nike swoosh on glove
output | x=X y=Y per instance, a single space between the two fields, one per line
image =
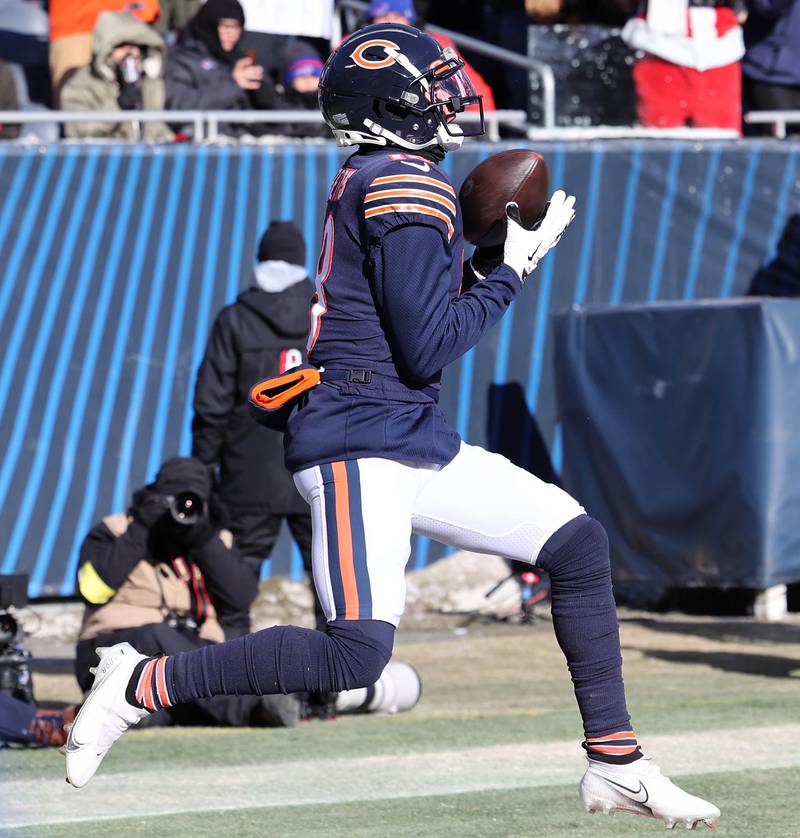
x=524 y=248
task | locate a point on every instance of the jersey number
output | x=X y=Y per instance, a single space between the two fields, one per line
x=324 y=265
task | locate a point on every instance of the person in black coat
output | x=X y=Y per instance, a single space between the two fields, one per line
x=209 y=69
x=260 y=335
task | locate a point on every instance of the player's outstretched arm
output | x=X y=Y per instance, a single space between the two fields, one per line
x=524 y=248
x=427 y=328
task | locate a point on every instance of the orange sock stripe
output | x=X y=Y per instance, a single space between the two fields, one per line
x=609 y=749
x=622 y=734
x=620 y=743
x=161 y=682
x=144 y=679
x=149 y=693
x=145 y=692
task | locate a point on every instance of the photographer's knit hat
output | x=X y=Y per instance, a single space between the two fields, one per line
x=282 y=242
x=184 y=474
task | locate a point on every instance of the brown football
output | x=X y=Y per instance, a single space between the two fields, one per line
x=516 y=175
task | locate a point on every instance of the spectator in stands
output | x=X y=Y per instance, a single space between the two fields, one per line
x=771 y=65
x=690 y=73
x=403 y=11
x=301 y=72
x=260 y=335
x=164 y=576
x=209 y=69
x=72 y=24
x=126 y=74
x=8 y=100
x=781 y=276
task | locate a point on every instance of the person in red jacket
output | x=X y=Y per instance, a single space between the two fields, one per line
x=690 y=73
x=403 y=11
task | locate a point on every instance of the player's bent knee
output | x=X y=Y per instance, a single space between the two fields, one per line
x=363 y=648
x=580 y=548
x=369 y=672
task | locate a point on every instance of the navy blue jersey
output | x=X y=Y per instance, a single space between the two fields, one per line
x=387 y=314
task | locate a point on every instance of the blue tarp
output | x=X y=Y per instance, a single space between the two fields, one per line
x=681 y=436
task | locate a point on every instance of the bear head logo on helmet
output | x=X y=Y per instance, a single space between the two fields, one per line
x=390 y=84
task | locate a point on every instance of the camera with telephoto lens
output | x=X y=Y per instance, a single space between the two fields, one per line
x=186 y=508
x=15 y=672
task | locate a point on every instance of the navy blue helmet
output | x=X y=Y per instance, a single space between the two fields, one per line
x=390 y=84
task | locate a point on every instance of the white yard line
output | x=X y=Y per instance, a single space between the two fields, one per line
x=163 y=791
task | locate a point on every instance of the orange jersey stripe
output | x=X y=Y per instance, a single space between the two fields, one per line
x=345 y=538
x=411 y=194
x=431 y=181
x=421 y=208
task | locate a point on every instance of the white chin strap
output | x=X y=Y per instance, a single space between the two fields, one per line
x=381 y=136
x=446 y=140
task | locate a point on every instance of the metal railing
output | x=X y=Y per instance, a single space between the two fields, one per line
x=206 y=124
x=629 y=132
x=778 y=119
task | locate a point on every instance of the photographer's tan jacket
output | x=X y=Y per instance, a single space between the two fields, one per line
x=148 y=594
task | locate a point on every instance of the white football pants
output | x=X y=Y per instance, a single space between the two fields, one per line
x=364 y=512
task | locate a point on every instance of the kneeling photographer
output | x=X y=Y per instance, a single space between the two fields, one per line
x=163 y=577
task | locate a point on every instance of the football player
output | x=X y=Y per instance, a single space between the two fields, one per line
x=374 y=456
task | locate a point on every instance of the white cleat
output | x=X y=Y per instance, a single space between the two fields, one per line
x=641 y=789
x=105 y=714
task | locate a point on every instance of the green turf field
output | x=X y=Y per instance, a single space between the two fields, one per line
x=491 y=750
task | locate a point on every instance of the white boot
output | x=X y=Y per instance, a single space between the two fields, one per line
x=105 y=714
x=641 y=789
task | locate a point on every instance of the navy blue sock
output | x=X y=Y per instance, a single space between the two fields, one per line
x=284 y=659
x=585 y=621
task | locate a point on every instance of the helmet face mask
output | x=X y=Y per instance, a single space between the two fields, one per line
x=447 y=92
x=390 y=84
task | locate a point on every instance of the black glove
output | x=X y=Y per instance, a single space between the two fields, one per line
x=130 y=97
x=485 y=259
x=149 y=508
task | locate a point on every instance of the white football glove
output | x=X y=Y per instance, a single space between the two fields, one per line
x=524 y=248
